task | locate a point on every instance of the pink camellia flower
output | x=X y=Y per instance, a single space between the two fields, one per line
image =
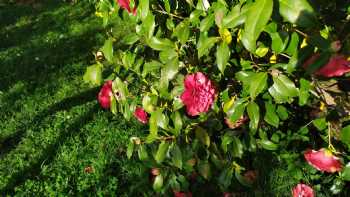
x=104 y=96
x=323 y=160
x=335 y=67
x=141 y=115
x=182 y=194
x=302 y=190
x=199 y=94
x=125 y=4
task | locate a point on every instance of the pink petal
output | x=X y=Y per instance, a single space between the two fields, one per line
x=302 y=190
x=323 y=160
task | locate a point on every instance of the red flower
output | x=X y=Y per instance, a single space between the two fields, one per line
x=302 y=190
x=182 y=194
x=323 y=160
x=141 y=115
x=104 y=96
x=335 y=67
x=125 y=4
x=199 y=94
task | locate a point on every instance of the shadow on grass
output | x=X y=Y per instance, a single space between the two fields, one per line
x=51 y=150
x=10 y=142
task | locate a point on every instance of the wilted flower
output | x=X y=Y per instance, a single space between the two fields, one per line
x=199 y=94
x=302 y=190
x=335 y=67
x=125 y=4
x=104 y=96
x=141 y=115
x=323 y=160
x=233 y=125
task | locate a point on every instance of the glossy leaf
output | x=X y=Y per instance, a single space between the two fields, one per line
x=237 y=147
x=222 y=56
x=176 y=156
x=204 y=169
x=130 y=149
x=203 y=136
x=345 y=135
x=158 y=183
x=258 y=84
x=283 y=89
x=182 y=31
x=253 y=111
x=268 y=145
x=305 y=87
x=271 y=116
x=93 y=74
x=257 y=17
x=107 y=50
x=160 y=44
x=144 y=8
x=161 y=152
x=205 y=43
x=298 y=12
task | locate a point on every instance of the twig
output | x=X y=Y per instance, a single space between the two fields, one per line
x=301 y=33
x=170 y=14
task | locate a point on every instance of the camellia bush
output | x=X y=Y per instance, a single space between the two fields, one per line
x=221 y=85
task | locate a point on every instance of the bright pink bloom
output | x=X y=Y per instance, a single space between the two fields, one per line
x=125 y=4
x=182 y=194
x=199 y=94
x=323 y=160
x=141 y=115
x=336 y=66
x=302 y=190
x=105 y=94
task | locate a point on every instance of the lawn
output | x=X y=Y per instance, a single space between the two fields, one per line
x=54 y=138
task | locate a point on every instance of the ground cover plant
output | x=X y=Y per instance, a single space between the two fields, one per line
x=54 y=138
x=238 y=98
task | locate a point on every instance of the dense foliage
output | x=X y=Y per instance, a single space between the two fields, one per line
x=221 y=83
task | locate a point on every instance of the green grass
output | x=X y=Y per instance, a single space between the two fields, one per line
x=51 y=125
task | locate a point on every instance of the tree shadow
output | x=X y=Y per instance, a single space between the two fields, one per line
x=51 y=150
x=10 y=142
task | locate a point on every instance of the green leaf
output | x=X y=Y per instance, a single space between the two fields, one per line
x=241 y=179
x=270 y=115
x=176 y=118
x=167 y=55
x=205 y=44
x=93 y=74
x=235 y=17
x=182 y=31
x=225 y=177
x=320 y=124
x=261 y=51
x=268 y=145
x=292 y=48
x=148 y=103
x=170 y=70
x=177 y=156
x=253 y=111
x=130 y=149
x=107 y=49
x=121 y=89
x=297 y=12
x=282 y=112
x=130 y=39
x=257 y=17
x=304 y=94
x=222 y=56
x=203 y=136
x=161 y=152
x=283 y=89
x=345 y=135
x=237 y=147
x=150 y=67
x=236 y=111
x=147 y=27
x=128 y=59
x=207 y=22
x=258 y=84
x=142 y=152
x=158 y=183
x=160 y=44
x=225 y=141
x=143 y=7
x=204 y=169
x=346 y=172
